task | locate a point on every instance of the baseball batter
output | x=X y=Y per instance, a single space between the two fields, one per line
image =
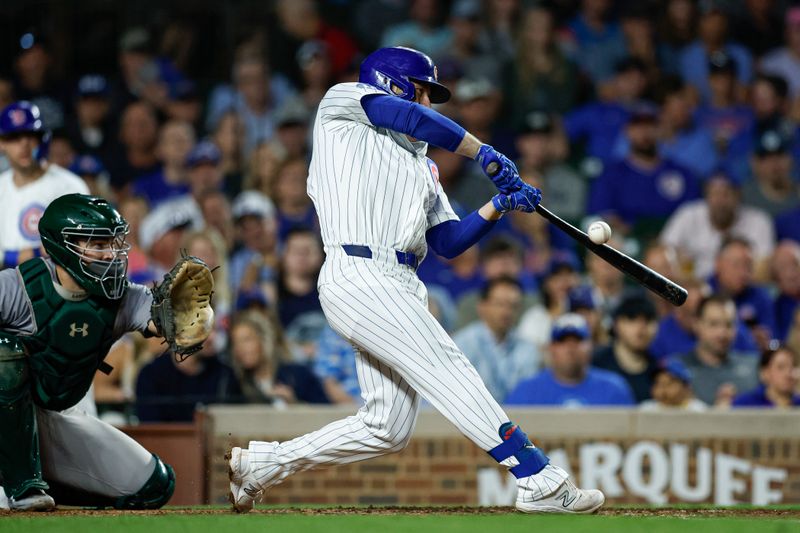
x=31 y=183
x=58 y=318
x=380 y=206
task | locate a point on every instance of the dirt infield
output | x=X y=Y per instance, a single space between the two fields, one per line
x=462 y=510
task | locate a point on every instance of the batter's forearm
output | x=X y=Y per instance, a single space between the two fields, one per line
x=469 y=147
x=488 y=212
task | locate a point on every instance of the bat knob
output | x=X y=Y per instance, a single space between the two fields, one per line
x=492 y=169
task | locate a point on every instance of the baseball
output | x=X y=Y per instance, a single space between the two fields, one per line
x=599 y=232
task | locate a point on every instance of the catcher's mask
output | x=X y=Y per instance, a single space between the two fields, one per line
x=86 y=236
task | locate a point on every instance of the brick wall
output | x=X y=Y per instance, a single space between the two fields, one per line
x=442 y=468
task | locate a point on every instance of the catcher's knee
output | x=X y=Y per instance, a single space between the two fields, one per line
x=155 y=493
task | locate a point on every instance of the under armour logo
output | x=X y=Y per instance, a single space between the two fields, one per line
x=84 y=331
x=566 y=501
x=251 y=491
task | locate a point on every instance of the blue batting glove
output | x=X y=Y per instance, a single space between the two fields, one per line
x=526 y=199
x=500 y=169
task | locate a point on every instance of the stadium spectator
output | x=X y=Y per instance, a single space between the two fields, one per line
x=672 y=389
x=676 y=28
x=772 y=186
x=628 y=354
x=718 y=373
x=254 y=266
x=294 y=207
x=458 y=276
x=335 y=366
x=639 y=192
x=785 y=61
x=217 y=214
x=314 y=61
x=90 y=126
x=676 y=332
x=500 y=24
x=91 y=170
x=501 y=256
x=291 y=128
x=734 y=276
x=478 y=102
x=597 y=124
x=227 y=136
x=722 y=115
x=570 y=380
x=254 y=96
x=778 y=372
x=259 y=355
x=768 y=102
x=493 y=344
x=542 y=153
x=607 y=283
x=581 y=301
x=597 y=39
x=536 y=324
x=61 y=151
x=636 y=20
x=542 y=77
x=176 y=139
x=136 y=155
x=134 y=210
x=162 y=231
x=786 y=274
x=300 y=21
x=758 y=26
x=35 y=79
x=297 y=276
x=423 y=32
x=467 y=48
x=713 y=37
x=699 y=227
x=263 y=166
x=169 y=390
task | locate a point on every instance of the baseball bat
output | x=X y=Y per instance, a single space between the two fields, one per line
x=649 y=278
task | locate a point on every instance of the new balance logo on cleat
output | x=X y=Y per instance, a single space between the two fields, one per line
x=566 y=501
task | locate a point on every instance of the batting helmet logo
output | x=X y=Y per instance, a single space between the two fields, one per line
x=18 y=117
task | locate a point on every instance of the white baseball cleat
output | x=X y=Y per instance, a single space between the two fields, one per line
x=4 y=500
x=567 y=498
x=34 y=500
x=244 y=488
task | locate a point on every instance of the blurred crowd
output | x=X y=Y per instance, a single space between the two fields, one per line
x=676 y=121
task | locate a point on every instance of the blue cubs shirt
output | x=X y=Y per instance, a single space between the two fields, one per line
x=600 y=387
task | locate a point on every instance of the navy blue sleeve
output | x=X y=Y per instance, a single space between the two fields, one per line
x=413 y=119
x=450 y=239
x=305 y=384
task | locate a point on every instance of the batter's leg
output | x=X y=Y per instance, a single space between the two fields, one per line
x=384 y=424
x=91 y=463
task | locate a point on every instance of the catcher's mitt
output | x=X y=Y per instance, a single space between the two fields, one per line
x=181 y=309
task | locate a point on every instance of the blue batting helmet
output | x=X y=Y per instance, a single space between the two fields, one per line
x=24 y=117
x=395 y=70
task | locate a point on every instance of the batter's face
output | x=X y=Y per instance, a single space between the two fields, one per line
x=422 y=94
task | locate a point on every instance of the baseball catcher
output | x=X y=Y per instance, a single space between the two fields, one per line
x=58 y=318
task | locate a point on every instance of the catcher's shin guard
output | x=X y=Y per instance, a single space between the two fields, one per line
x=20 y=463
x=156 y=491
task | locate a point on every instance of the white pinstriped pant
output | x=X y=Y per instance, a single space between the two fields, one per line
x=401 y=351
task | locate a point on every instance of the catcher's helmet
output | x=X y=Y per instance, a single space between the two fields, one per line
x=68 y=228
x=24 y=117
x=395 y=69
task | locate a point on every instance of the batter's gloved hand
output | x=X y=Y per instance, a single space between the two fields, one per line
x=526 y=199
x=500 y=169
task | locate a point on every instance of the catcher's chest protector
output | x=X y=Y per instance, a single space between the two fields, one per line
x=71 y=341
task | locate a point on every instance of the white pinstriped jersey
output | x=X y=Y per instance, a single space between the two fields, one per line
x=23 y=207
x=371 y=185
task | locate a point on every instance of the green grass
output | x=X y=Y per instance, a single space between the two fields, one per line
x=444 y=523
